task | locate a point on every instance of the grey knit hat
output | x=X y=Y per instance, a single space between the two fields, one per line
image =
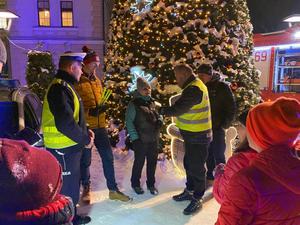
x=141 y=83
x=3 y=54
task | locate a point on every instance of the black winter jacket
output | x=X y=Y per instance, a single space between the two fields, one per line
x=222 y=103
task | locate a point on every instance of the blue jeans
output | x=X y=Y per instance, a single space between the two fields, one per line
x=104 y=148
x=196 y=151
x=216 y=152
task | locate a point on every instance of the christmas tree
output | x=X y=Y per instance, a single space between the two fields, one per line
x=39 y=72
x=155 y=35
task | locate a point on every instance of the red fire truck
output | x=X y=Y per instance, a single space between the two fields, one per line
x=277 y=56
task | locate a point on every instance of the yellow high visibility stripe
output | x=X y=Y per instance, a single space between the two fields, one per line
x=195 y=111
x=204 y=121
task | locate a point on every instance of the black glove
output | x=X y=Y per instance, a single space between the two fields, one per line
x=102 y=108
x=159 y=123
x=136 y=145
x=161 y=111
x=96 y=111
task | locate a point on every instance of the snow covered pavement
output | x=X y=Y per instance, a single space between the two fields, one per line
x=145 y=209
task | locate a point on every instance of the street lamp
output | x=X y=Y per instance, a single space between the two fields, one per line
x=6 y=17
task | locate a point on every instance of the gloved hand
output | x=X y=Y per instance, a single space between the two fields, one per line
x=102 y=108
x=219 y=170
x=159 y=123
x=161 y=111
x=97 y=110
x=136 y=145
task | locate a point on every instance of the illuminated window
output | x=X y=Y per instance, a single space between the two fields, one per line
x=66 y=13
x=44 y=13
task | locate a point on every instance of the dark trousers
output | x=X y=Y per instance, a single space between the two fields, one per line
x=143 y=151
x=196 y=151
x=105 y=151
x=69 y=159
x=85 y=162
x=216 y=152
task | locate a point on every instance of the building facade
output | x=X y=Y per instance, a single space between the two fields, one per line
x=55 y=26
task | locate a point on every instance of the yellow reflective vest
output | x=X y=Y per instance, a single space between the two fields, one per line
x=52 y=137
x=198 y=118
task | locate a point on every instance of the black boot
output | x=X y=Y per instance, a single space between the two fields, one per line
x=194 y=206
x=138 y=190
x=184 y=196
x=153 y=190
x=81 y=220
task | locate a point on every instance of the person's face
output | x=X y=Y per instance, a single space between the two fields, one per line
x=146 y=91
x=204 y=77
x=92 y=66
x=76 y=70
x=180 y=78
x=241 y=130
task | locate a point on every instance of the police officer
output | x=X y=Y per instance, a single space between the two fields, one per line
x=193 y=118
x=64 y=127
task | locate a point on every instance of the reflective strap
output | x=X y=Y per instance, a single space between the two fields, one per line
x=194 y=111
x=206 y=120
x=50 y=129
x=55 y=139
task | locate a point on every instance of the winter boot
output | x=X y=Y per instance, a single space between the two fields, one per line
x=153 y=190
x=138 y=190
x=118 y=195
x=186 y=195
x=194 y=206
x=81 y=220
x=86 y=194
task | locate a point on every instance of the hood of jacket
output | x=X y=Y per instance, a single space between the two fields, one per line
x=281 y=166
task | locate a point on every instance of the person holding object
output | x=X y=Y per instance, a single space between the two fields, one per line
x=193 y=118
x=64 y=127
x=94 y=97
x=29 y=194
x=143 y=125
x=267 y=191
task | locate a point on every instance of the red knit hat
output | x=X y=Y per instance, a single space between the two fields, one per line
x=91 y=56
x=29 y=177
x=274 y=123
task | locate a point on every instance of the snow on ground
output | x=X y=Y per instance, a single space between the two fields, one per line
x=145 y=209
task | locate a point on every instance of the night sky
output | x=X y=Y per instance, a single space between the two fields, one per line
x=267 y=15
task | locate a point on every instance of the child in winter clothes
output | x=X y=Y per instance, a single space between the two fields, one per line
x=143 y=124
x=267 y=191
x=30 y=182
x=242 y=158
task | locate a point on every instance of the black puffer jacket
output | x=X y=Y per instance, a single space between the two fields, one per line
x=222 y=103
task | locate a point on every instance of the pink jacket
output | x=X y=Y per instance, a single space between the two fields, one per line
x=235 y=163
x=265 y=193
